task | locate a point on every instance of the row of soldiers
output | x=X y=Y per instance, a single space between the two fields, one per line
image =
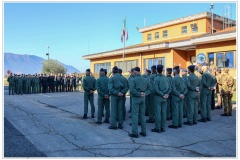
x=42 y=83
x=161 y=97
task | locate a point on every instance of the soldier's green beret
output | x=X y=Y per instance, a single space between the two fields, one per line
x=149 y=71
x=137 y=69
x=191 y=68
x=176 y=67
x=153 y=67
x=87 y=70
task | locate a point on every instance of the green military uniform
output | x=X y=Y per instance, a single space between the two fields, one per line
x=192 y=98
x=89 y=83
x=228 y=86
x=178 y=87
x=28 y=83
x=116 y=85
x=161 y=86
x=31 y=83
x=11 y=86
x=185 y=79
x=138 y=85
x=129 y=80
x=151 y=98
x=34 y=84
x=124 y=97
x=24 y=84
x=169 y=99
x=37 y=84
x=205 y=96
x=103 y=97
x=19 y=82
x=147 y=97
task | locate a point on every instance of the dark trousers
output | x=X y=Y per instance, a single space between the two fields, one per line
x=213 y=100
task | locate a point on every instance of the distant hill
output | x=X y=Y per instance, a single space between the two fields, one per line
x=28 y=64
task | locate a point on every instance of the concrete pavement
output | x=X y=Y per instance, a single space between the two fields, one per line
x=53 y=123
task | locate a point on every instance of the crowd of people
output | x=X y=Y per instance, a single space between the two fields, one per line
x=160 y=94
x=43 y=83
x=179 y=93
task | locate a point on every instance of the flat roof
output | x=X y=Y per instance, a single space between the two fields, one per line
x=184 y=19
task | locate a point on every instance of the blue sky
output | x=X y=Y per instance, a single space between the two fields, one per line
x=76 y=29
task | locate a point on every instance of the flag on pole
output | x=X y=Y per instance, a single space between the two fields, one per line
x=124 y=30
x=126 y=35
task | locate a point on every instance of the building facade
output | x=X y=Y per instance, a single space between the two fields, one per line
x=182 y=42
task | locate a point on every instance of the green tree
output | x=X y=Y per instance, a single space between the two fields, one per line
x=53 y=66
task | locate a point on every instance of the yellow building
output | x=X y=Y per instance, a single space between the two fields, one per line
x=177 y=42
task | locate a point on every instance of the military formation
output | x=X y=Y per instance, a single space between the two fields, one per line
x=170 y=94
x=159 y=94
x=43 y=83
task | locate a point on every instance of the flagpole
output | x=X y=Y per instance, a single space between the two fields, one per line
x=123 y=50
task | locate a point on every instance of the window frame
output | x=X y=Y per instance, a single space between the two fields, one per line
x=225 y=53
x=157 y=34
x=149 y=36
x=164 y=33
x=182 y=30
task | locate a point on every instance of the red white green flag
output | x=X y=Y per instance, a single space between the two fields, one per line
x=124 y=31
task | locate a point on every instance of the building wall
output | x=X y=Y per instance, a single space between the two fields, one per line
x=175 y=31
x=219 y=47
x=216 y=25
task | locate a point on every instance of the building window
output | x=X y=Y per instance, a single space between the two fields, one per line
x=194 y=27
x=229 y=60
x=157 y=35
x=210 y=57
x=148 y=63
x=184 y=30
x=149 y=36
x=219 y=61
x=165 y=33
x=127 y=65
x=98 y=66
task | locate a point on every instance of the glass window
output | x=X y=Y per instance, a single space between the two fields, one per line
x=229 y=60
x=210 y=57
x=156 y=61
x=157 y=35
x=128 y=65
x=184 y=30
x=149 y=36
x=219 y=61
x=165 y=33
x=194 y=27
x=98 y=66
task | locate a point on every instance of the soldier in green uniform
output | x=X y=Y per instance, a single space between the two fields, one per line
x=183 y=74
x=19 y=82
x=178 y=91
x=11 y=86
x=207 y=84
x=147 y=97
x=124 y=96
x=37 y=83
x=28 y=84
x=139 y=88
x=31 y=83
x=228 y=87
x=169 y=99
x=129 y=79
x=89 y=86
x=117 y=90
x=160 y=87
x=219 y=88
x=103 y=97
x=151 y=98
x=193 y=86
x=24 y=84
x=34 y=84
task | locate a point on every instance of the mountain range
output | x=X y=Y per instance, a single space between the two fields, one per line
x=27 y=64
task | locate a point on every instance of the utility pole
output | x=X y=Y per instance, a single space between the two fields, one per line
x=212 y=5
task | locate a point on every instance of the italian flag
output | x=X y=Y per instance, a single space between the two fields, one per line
x=124 y=31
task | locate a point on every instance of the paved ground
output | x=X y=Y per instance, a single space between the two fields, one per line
x=53 y=124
